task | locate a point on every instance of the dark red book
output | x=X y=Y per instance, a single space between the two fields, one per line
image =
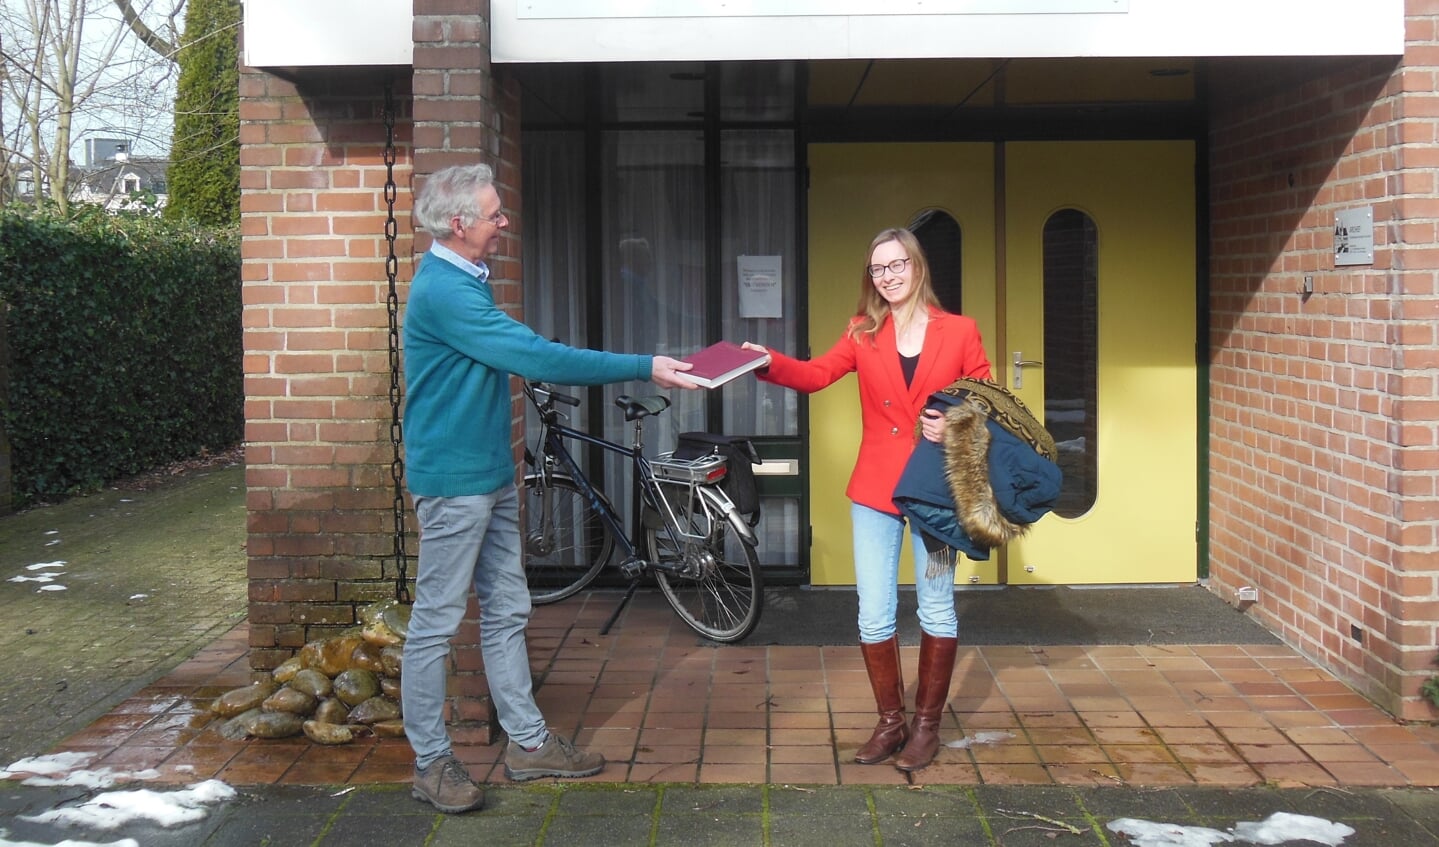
x=721 y=362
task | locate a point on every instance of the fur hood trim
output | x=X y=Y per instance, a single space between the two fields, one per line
x=966 y=467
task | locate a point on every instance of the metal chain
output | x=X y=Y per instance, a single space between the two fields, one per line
x=392 y=271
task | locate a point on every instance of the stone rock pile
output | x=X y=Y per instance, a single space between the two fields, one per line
x=332 y=690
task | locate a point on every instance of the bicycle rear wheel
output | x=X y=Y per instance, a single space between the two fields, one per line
x=713 y=584
x=566 y=542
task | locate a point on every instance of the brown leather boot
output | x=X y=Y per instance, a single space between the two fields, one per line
x=936 y=666
x=881 y=659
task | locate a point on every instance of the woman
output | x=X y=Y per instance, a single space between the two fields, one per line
x=903 y=346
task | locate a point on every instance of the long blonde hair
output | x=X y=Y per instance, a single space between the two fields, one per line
x=870 y=313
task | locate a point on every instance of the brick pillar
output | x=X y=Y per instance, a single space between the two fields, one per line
x=317 y=372
x=463 y=114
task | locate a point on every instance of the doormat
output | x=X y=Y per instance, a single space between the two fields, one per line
x=1047 y=615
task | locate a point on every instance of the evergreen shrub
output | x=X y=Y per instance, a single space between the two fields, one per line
x=124 y=346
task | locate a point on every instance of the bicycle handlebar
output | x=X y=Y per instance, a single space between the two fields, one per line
x=537 y=387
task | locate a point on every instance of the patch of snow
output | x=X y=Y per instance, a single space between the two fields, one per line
x=51 y=588
x=96 y=779
x=44 y=577
x=124 y=842
x=980 y=738
x=40 y=565
x=46 y=765
x=138 y=596
x=1150 y=834
x=114 y=809
x=1283 y=826
x=1278 y=828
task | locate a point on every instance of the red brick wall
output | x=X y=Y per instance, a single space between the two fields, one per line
x=465 y=113
x=313 y=215
x=1323 y=410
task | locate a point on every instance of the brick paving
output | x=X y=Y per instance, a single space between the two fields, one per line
x=151 y=573
x=664 y=708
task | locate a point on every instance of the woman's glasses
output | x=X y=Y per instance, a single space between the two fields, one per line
x=876 y=271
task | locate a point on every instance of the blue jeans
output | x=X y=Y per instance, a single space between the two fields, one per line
x=464 y=541
x=877 y=540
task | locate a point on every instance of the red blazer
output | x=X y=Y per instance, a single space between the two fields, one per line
x=952 y=350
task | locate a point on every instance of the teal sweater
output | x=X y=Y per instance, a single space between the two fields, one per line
x=460 y=350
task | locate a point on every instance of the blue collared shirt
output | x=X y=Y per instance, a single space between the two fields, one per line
x=482 y=271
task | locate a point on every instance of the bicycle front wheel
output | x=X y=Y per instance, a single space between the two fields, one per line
x=566 y=542
x=712 y=581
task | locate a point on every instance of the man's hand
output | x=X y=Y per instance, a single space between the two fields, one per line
x=669 y=373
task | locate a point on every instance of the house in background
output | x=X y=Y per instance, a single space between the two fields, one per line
x=113 y=178
x=1200 y=238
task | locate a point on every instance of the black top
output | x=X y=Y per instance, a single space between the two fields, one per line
x=908 y=364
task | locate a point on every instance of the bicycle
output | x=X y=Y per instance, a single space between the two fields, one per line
x=684 y=529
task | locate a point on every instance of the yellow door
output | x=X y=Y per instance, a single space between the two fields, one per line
x=1127 y=416
x=856 y=190
x=1116 y=382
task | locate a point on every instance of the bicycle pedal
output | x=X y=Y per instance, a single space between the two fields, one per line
x=632 y=568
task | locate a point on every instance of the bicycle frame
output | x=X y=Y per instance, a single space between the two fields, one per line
x=554 y=450
x=645 y=487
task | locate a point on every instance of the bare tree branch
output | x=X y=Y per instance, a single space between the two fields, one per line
x=152 y=39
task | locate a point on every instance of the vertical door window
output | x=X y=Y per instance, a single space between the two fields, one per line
x=938 y=233
x=1071 y=355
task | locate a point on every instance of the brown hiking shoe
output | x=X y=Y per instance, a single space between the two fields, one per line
x=556 y=757
x=447 y=786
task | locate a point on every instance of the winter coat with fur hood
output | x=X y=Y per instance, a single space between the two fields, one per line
x=888 y=408
x=993 y=476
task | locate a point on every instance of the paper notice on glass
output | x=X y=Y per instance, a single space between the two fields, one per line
x=761 y=294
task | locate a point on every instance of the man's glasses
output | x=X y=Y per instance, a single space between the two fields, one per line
x=497 y=219
x=876 y=271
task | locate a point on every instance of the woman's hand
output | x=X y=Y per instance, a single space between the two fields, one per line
x=932 y=423
x=758 y=348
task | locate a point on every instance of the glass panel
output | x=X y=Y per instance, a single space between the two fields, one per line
x=551 y=93
x=778 y=532
x=652 y=295
x=1071 y=310
x=552 y=251
x=758 y=219
x=938 y=233
x=757 y=91
x=643 y=92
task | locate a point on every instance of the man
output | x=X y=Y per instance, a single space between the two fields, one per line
x=460 y=352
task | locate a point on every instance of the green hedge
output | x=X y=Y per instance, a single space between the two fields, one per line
x=124 y=338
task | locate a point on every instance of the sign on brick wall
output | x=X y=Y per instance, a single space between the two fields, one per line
x=1354 y=236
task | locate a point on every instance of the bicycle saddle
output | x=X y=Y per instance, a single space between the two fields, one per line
x=642 y=407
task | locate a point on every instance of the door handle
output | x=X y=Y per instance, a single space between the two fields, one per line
x=1020 y=363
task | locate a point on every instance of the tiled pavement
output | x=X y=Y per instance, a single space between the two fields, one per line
x=714 y=741
x=665 y=708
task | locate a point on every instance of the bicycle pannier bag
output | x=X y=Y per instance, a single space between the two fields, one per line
x=739 y=482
